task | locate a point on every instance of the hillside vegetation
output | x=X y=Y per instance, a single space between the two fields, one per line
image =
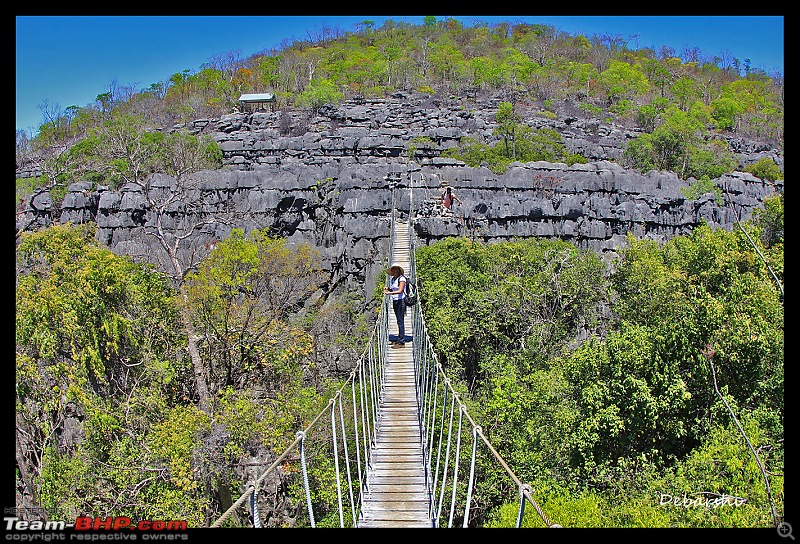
x=686 y=102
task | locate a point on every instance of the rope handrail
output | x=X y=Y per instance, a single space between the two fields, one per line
x=252 y=487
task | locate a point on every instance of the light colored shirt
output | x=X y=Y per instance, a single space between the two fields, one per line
x=395 y=284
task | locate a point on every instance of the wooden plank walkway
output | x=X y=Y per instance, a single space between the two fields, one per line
x=397 y=494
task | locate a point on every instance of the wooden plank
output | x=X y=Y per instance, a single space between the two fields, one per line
x=399 y=473
x=397 y=438
x=395 y=460
x=394 y=524
x=394 y=509
x=399 y=510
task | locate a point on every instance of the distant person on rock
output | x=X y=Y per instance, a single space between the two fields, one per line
x=447 y=199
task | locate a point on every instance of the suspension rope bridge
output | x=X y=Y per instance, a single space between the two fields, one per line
x=404 y=449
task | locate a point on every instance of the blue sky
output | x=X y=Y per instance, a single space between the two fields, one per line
x=69 y=60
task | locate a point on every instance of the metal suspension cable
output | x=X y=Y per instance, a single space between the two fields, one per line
x=347 y=462
x=736 y=215
x=446 y=457
x=362 y=483
x=429 y=422
x=471 y=481
x=254 y=508
x=336 y=462
x=369 y=400
x=277 y=461
x=461 y=412
x=439 y=453
x=302 y=436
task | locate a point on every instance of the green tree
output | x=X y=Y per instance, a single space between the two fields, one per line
x=617 y=411
x=724 y=296
x=474 y=153
x=709 y=159
x=517 y=302
x=123 y=149
x=488 y=72
x=318 y=93
x=700 y=187
x=108 y=417
x=720 y=483
x=648 y=115
x=578 y=77
x=686 y=91
x=542 y=145
x=632 y=401
x=622 y=81
x=507 y=122
x=520 y=66
x=677 y=145
x=244 y=298
x=99 y=360
x=770 y=219
x=180 y=154
x=657 y=74
x=448 y=64
x=725 y=112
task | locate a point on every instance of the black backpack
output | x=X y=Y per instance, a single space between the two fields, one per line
x=410 y=293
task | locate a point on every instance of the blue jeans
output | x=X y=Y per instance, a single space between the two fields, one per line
x=399 y=307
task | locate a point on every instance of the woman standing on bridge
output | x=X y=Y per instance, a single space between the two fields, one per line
x=396 y=288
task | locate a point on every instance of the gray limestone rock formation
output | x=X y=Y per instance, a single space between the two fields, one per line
x=332 y=180
x=344 y=207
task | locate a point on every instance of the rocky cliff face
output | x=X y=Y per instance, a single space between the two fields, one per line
x=331 y=180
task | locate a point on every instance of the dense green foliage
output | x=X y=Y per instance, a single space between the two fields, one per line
x=770 y=220
x=702 y=186
x=124 y=148
x=765 y=169
x=243 y=298
x=615 y=389
x=607 y=428
x=107 y=416
x=95 y=342
x=681 y=143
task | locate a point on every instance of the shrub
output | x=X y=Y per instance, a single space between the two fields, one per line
x=765 y=169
